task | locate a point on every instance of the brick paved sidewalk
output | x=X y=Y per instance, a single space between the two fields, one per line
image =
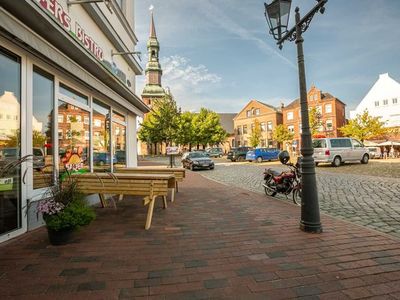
x=211 y=243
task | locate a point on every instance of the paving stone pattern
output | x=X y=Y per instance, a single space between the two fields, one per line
x=366 y=200
x=213 y=242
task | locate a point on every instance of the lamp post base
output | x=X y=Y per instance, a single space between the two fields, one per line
x=310 y=227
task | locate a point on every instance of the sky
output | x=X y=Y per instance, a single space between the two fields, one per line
x=218 y=54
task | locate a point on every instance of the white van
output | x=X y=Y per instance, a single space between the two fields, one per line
x=339 y=150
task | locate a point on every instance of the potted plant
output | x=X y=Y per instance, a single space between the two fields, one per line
x=64 y=211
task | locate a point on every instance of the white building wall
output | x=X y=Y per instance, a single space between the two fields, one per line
x=385 y=88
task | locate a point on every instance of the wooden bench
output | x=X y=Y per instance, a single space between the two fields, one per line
x=148 y=185
x=179 y=174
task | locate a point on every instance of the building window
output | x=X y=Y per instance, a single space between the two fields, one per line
x=328 y=108
x=257 y=111
x=319 y=109
x=263 y=144
x=244 y=129
x=289 y=115
x=67 y=91
x=239 y=130
x=291 y=128
x=269 y=126
x=385 y=101
x=263 y=127
x=394 y=100
x=252 y=127
x=376 y=103
x=42 y=128
x=86 y=120
x=73 y=147
x=60 y=134
x=248 y=113
x=329 y=125
x=87 y=135
x=60 y=118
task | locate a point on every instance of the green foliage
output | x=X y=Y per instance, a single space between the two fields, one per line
x=38 y=139
x=282 y=134
x=255 y=136
x=161 y=124
x=76 y=213
x=315 y=121
x=185 y=134
x=207 y=128
x=364 y=127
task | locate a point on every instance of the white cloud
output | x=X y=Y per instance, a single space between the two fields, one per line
x=177 y=69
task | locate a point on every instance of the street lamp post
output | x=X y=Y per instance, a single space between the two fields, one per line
x=277 y=15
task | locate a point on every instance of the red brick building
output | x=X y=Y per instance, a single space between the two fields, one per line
x=332 y=114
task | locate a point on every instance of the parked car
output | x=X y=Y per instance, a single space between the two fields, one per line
x=339 y=150
x=103 y=158
x=238 y=154
x=197 y=160
x=215 y=152
x=375 y=152
x=121 y=156
x=10 y=154
x=261 y=154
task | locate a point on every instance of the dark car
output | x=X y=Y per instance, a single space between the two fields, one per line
x=197 y=160
x=8 y=155
x=238 y=154
x=121 y=156
x=103 y=158
x=215 y=152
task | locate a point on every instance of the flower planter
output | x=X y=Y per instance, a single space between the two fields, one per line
x=61 y=237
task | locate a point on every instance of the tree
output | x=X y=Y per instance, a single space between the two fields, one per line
x=207 y=128
x=314 y=120
x=364 y=127
x=185 y=134
x=255 y=136
x=281 y=134
x=160 y=125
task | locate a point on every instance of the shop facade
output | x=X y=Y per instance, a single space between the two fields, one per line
x=67 y=97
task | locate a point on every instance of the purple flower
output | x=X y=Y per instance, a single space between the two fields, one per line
x=49 y=207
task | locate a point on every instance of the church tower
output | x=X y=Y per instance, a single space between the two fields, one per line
x=153 y=89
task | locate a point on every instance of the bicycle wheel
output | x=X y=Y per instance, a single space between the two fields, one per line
x=297 y=195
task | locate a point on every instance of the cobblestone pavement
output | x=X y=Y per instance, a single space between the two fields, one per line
x=366 y=200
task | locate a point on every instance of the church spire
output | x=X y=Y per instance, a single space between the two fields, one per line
x=153 y=88
x=152 y=27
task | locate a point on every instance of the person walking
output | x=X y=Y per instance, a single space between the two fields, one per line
x=391 y=153
x=385 y=153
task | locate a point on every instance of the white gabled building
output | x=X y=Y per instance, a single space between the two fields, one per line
x=382 y=100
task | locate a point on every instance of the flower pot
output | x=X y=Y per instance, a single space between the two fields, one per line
x=60 y=237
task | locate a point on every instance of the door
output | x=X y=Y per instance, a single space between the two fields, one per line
x=358 y=150
x=10 y=144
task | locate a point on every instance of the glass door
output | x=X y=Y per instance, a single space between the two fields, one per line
x=10 y=142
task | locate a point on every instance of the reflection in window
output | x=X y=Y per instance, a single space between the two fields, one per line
x=67 y=91
x=119 y=144
x=101 y=137
x=10 y=97
x=73 y=146
x=42 y=126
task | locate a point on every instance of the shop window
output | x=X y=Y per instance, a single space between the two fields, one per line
x=119 y=144
x=10 y=141
x=71 y=93
x=42 y=128
x=118 y=117
x=73 y=147
x=101 y=137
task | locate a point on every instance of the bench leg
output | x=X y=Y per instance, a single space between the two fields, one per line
x=121 y=197
x=150 y=213
x=172 y=195
x=165 y=201
x=176 y=185
x=103 y=200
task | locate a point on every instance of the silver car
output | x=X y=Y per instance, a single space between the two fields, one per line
x=339 y=150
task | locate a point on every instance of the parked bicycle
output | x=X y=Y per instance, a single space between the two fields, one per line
x=286 y=182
